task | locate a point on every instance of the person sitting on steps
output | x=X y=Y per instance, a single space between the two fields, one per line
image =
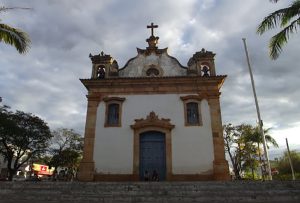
x=155 y=176
x=146 y=176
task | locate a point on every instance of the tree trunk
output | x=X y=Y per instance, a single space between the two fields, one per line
x=260 y=162
x=233 y=162
x=236 y=168
x=11 y=174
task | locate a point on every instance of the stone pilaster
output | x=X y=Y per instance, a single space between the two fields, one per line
x=221 y=169
x=87 y=165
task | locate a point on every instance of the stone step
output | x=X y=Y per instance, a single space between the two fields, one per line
x=78 y=192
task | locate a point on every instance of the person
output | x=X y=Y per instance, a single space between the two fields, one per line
x=34 y=178
x=155 y=176
x=146 y=176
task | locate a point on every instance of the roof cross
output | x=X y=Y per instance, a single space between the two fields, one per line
x=152 y=26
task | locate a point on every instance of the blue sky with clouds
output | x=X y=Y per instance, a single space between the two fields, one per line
x=45 y=81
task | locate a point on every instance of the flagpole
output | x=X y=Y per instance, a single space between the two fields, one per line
x=258 y=113
x=290 y=160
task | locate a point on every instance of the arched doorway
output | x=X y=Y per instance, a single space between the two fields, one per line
x=153 y=154
x=159 y=130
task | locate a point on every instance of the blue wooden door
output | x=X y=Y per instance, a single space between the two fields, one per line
x=153 y=154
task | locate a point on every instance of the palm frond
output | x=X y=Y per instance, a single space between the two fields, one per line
x=281 y=38
x=19 y=39
x=290 y=13
x=280 y=17
x=271 y=21
x=271 y=140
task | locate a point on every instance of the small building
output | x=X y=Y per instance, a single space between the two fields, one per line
x=154 y=114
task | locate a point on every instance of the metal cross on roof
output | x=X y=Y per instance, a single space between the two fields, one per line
x=152 y=26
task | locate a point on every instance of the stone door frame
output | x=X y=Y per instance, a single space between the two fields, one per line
x=152 y=123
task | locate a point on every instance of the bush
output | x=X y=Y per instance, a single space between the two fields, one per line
x=286 y=176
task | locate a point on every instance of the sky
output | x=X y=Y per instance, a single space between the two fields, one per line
x=45 y=81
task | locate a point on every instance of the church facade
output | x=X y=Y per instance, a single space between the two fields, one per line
x=153 y=115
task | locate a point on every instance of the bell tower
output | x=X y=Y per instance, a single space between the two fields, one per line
x=202 y=63
x=104 y=66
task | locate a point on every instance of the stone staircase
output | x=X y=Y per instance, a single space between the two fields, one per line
x=150 y=192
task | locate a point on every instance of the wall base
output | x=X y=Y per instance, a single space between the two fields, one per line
x=115 y=177
x=131 y=177
x=86 y=171
x=221 y=170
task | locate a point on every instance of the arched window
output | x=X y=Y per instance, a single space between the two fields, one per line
x=113 y=114
x=205 y=71
x=101 y=72
x=192 y=112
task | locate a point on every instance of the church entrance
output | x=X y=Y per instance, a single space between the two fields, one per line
x=152 y=154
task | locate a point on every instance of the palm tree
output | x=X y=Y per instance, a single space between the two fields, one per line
x=255 y=136
x=13 y=36
x=288 y=19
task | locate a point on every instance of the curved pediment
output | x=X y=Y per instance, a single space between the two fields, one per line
x=156 y=61
x=152 y=120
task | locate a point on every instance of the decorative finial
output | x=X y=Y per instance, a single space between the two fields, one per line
x=152 y=40
x=152 y=26
x=102 y=53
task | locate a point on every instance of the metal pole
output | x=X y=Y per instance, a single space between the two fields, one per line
x=258 y=113
x=290 y=160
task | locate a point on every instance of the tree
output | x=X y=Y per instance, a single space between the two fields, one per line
x=284 y=165
x=254 y=136
x=22 y=136
x=66 y=149
x=288 y=19
x=234 y=146
x=14 y=36
x=243 y=145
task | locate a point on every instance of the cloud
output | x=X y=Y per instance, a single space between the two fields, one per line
x=45 y=81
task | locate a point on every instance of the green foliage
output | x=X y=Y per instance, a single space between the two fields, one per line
x=288 y=19
x=238 y=150
x=248 y=175
x=66 y=148
x=13 y=36
x=286 y=176
x=284 y=165
x=254 y=135
x=243 y=145
x=22 y=136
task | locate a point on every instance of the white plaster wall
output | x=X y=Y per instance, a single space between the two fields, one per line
x=192 y=147
x=169 y=65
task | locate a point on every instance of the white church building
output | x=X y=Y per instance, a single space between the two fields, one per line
x=154 y=114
